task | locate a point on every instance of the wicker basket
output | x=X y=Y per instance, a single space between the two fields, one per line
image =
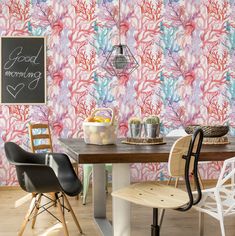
x=209 y=131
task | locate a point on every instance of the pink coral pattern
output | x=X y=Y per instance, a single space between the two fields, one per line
x=186 y=52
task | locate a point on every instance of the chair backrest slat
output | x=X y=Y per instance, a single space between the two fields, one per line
x=39 y=126
x=183 y=161
x=40 y=138
x=176 y=164
x=42 y=147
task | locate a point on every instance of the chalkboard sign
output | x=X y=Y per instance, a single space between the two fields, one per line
x=23 y=70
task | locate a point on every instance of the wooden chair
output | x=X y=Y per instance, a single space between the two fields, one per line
x=176 y=133
x=180 y=133
x=183 y=158
x=40 y=139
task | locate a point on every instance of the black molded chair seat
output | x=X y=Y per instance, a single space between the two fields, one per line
x=41 y=173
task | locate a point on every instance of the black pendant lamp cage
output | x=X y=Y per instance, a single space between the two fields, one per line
x=120 y=61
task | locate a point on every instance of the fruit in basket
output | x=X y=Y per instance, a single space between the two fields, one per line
x=99 y=128
x=89 y=119
x=98 y=119
x=107 y=120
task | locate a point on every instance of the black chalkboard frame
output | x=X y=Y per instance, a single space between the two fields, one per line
x=43 y=100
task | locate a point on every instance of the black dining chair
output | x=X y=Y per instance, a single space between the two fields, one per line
x=183 y=159
x=44 y=173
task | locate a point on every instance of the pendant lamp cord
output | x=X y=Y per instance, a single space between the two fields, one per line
x=119 y=20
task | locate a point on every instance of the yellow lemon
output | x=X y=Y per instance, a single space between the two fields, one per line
x=98 y=119
x=107 y=120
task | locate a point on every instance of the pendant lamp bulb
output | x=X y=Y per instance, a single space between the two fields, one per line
x=120 y=61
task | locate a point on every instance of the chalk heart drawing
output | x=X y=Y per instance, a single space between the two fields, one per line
x=14 y=91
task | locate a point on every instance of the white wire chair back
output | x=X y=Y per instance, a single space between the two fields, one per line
x=227 y=172
x=225 y=188
x=220 y=200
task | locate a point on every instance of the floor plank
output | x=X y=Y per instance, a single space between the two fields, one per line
x=175 y=223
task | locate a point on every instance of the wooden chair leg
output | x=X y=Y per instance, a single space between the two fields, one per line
x=72 y=213
x=200 y=181
x=75 y=166
x=201 y=223
x=169 y=181
x=87 y=172
x=66 y=233
x=53 y=197
x=28 y=214
x=37 y=205
x=106 y=181
x=177 y=182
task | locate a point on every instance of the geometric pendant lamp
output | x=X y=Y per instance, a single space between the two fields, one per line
x=120 y=61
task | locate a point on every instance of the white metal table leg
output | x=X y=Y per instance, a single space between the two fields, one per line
x=99 y=199
x=121 y=208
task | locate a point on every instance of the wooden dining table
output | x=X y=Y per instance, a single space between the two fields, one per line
x=121 y=155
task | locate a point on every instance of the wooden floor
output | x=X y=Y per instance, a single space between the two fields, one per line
x=175 y=223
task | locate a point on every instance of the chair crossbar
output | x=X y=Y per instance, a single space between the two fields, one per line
x=46 y=209
x=41 y=136
x=222 y=179
x=229 y=210
x=225 y=179
x=49 y=205
x=211 y=205
x=51 y=199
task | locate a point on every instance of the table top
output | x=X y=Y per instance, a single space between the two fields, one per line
x=126 y=153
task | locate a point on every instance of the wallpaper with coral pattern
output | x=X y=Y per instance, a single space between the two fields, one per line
x=186 y=74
